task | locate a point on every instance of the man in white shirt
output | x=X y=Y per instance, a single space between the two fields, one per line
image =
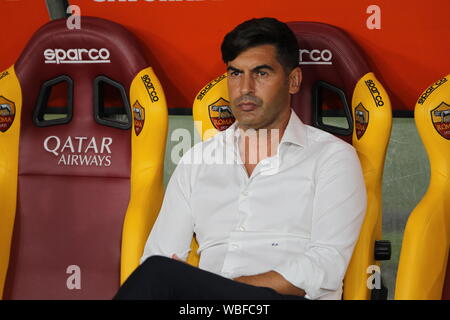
x=276 y=205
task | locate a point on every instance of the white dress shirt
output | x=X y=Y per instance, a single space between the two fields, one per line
x=299 y=213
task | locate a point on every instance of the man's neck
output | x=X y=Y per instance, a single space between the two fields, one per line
x=257 y=144
x=279 y=126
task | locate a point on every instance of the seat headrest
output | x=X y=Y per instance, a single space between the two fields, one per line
x=96 y=66
x=332 y=66
x=327 y=55
x=100 y=47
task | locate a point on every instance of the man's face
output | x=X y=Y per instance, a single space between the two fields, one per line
x=260 y=89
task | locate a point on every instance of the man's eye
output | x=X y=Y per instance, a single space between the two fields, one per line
x=234 y=73
x=262 y=73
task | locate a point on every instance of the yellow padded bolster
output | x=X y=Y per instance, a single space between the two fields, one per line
x=213 y=94
x=148 y=141
x=10 y=111
x=426 y=241
x=372 y=115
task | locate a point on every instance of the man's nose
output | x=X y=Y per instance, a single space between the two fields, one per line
x=247 y=84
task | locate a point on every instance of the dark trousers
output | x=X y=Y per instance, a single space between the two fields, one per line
x=162 y=278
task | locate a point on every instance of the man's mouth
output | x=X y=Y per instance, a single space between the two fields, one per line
x=247 y=106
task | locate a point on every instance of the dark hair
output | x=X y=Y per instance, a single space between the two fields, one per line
x=256 y=32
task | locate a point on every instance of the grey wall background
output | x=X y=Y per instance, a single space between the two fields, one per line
x=405 y=180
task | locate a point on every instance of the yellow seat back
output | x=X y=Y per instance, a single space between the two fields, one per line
x=371 y=132
x=423 y=263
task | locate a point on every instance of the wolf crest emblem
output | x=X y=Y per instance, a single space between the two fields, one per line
x=220 y=114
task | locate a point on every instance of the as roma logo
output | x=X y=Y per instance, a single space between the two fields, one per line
x=7 y=113
x=361 y=120
x=139 y=117
x=441 y=119
x=220 y=114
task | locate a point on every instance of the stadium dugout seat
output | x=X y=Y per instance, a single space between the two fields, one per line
x=83 y=125
x=424 y=269
x=339 y=94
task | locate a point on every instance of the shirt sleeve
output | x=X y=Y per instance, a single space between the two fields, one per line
x=339 y=210
x=173 y=229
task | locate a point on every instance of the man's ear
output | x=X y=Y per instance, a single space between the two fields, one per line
x=295 y=80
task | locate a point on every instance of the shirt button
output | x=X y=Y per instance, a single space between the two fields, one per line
x=234 y=246
x=242 y=228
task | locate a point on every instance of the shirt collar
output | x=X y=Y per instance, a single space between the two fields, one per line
x=295 y=132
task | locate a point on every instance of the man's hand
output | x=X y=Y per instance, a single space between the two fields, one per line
x=272 y=280
x=269 y=279
x=174 y=256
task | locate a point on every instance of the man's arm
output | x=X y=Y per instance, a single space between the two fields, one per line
x=174 y=227
x=338 y=211
x=274 y=280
